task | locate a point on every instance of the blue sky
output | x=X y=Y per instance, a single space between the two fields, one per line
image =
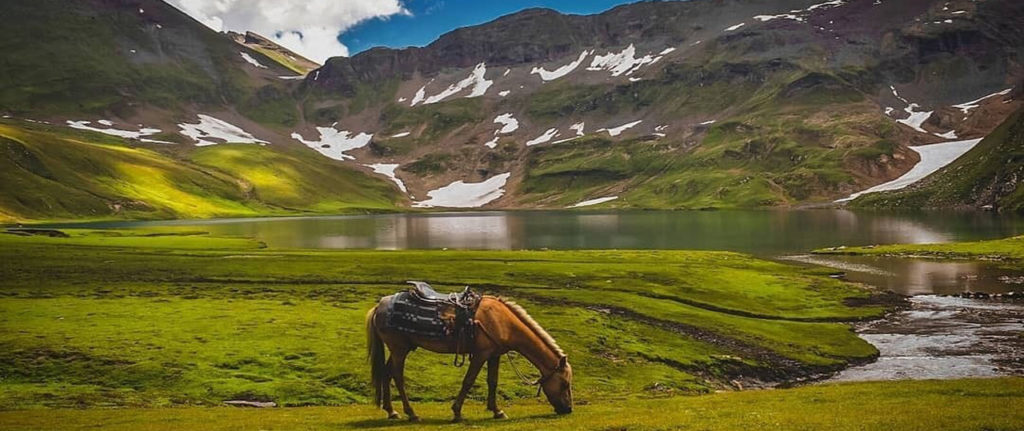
x=432 y=18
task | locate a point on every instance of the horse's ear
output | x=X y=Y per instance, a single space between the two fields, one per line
x=563 y=361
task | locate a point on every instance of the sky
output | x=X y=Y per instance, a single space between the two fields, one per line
x=320 y=29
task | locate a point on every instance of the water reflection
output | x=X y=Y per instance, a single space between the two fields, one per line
x=918 y=276
x=763 y=233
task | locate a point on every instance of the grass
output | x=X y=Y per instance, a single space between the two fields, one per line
x=910 y=405
x=169 y=317
x=1007 y=249
x=49 y=172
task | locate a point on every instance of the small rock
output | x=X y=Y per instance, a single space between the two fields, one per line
x=256 y=404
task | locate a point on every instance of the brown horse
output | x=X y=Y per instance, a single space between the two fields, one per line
x=502 y=326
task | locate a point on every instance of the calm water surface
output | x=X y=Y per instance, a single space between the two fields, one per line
x=763 y=233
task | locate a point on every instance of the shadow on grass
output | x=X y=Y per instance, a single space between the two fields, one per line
x=389 y=423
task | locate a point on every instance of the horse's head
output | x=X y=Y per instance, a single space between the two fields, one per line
x=557 y=386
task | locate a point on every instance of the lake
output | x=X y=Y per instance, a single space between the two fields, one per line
x=762 y=233
x=781 y=234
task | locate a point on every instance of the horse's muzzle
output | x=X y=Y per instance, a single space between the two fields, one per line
x=564 y=411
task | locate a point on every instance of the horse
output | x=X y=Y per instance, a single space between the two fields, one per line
x=501 y=326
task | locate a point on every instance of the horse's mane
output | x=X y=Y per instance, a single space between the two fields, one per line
x=533 y=325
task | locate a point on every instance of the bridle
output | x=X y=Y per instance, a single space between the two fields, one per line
x=543 y=377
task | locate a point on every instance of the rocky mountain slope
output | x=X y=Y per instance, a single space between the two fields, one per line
x=705 y=103
x=987 y=177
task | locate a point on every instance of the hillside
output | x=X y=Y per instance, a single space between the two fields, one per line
x=49 y=172
x=987 y=177
x=676 y=105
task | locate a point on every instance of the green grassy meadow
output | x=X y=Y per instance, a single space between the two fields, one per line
x=169 y=318
x=1010 y=250
x=967 y=405
x=156 y=328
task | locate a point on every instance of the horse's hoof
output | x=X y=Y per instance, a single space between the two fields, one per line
x=500 y=415
x=414 y=418
x=456 y=419
x=393 y=416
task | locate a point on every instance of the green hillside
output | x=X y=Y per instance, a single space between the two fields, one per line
x=987 y=176
x=49 y=172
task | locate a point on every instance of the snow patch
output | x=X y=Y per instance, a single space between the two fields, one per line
x=476 y=83
x=504 y=93
x=334 y=143
x=508 y=122
x=624 y=62
x=616 y=131
x=493 y=143
x=966 y=107
x=735 y=27
x=933 y=158
x=546 y=137
x=546 y=75
x=466 y=195
x=916 y=118
x=595 y=201
x=292 y=78
x=578 y=128
x=827 y=4
x=400 y=135
x=388 y=170
x=707 y=123
x=252 y=61
x=209 y=127
x=129 y=134
x=419 y=96
x=766 y=18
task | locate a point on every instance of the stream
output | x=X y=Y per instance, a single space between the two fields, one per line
x=940 y=335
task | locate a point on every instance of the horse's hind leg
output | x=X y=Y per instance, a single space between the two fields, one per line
x=475 y=364
x=398 y=373
x=386 y=394
x=492 y=387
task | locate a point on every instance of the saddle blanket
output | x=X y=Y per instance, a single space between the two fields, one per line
x=415 y=317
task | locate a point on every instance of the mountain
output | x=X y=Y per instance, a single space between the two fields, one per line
x=696 y=104
x=672 y=104
x=139 y=69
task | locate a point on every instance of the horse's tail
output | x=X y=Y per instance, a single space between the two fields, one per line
x=375 y=353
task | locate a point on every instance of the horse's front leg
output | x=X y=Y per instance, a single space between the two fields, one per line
x=492 y=387
x=398 y=374
x=475 y=364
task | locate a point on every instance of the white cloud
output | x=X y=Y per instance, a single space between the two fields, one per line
x=308 y=27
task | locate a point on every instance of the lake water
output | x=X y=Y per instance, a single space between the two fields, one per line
x=762 y=233
x=784 y=235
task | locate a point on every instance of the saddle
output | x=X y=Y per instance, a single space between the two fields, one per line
x=423 y=311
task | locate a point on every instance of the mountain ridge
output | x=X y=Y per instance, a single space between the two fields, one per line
x=671 y=105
